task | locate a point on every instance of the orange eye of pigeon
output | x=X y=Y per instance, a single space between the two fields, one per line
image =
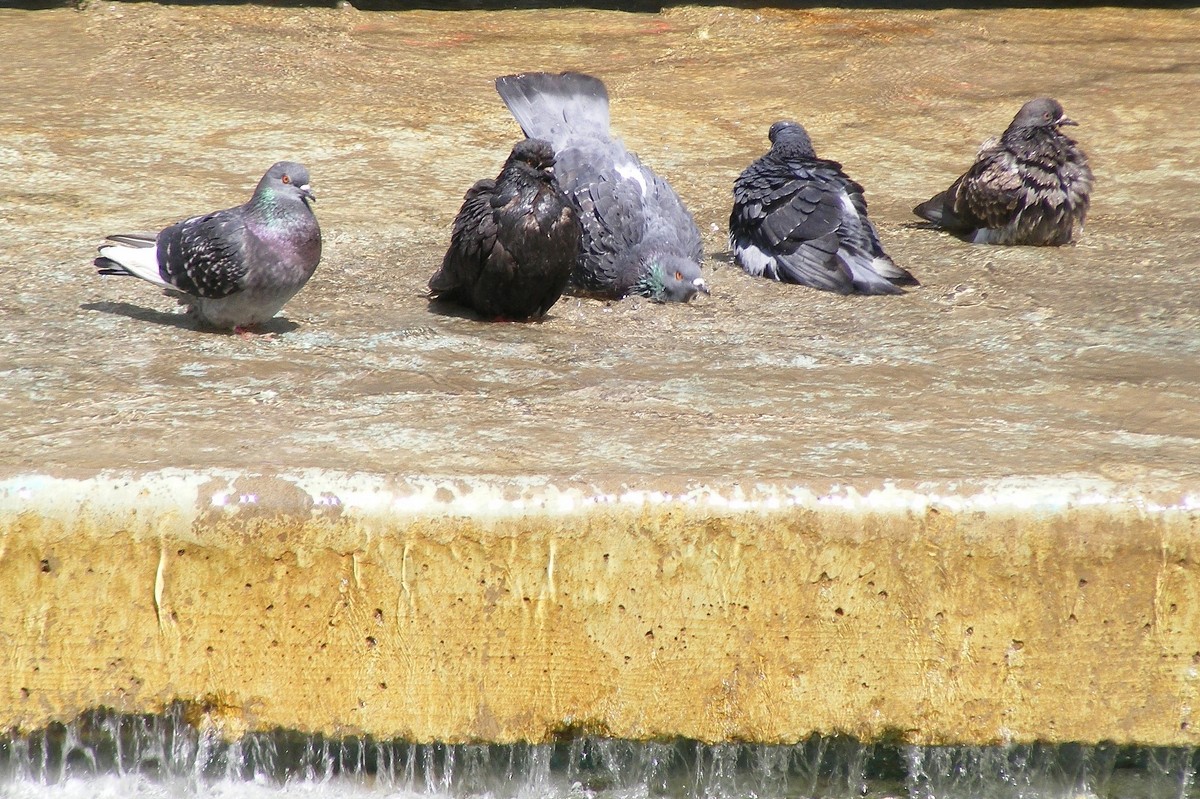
x=286 y=179
x=679 y=275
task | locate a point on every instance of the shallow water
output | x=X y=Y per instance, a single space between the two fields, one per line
x=1082 y=359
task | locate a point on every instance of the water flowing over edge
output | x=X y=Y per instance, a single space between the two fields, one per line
x=168 y=755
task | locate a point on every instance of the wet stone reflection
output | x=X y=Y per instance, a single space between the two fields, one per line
x=1086 y=354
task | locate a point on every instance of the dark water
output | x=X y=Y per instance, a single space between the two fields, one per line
x=162 y=755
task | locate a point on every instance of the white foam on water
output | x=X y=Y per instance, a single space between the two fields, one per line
x=139 y=787
x=175 y=494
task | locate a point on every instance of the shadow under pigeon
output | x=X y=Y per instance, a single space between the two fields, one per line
x=454 y=311
x=923 y=226
x=276 y=325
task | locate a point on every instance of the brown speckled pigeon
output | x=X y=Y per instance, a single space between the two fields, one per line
x=1030 y=187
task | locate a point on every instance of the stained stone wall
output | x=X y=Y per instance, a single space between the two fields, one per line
x=968 y=513
x=436 y=612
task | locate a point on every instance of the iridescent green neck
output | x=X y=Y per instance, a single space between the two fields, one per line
x=652 y=283
x=269 y=205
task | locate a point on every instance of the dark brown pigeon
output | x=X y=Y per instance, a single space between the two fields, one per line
x=1030 y=187
x=638 y=238
x=799 y=219
x=238 y=267
x=514 y=243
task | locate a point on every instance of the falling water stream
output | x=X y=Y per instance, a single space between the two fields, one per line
x=105 y=754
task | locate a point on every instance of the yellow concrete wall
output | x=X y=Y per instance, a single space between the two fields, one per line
x=282 y=605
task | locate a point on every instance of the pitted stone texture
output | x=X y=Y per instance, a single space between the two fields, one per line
x=960 y=620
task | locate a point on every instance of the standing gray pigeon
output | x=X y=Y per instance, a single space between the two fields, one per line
x=638 y=238
x=799 y=219
x=236 y=268
x=1030 y=187
x=515 y=240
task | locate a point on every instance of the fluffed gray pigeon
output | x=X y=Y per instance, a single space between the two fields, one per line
x=799 y=219
x=238 y=267
x=1030 y=187
x=515 y=240
x=638 y=238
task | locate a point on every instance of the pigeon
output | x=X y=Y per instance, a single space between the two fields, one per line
x=638 y=238
x=235 y=268
x=515 y=240
x=1030 y=187
x=799 y=219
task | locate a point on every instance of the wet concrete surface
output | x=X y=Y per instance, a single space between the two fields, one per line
x=1008 y=361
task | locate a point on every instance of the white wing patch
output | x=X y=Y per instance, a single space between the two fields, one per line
x=631 y=171
x=754 y=261
x=138 y=261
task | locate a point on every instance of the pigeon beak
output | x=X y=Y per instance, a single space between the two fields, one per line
x=701 y=285
x=1066 y=120
x=307 y=193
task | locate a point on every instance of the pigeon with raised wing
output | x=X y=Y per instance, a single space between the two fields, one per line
x=638 y=238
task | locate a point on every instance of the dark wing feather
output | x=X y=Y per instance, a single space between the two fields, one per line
x=537 y=247
x=859 y=233
x=816 y=263
x=791 y=212
x=988 y=195
x=991 y=193
x=863 y=237
x=518 y=228
x=471 y=241
x=936 y=211
x=613 y=217
x=800 y=211
x=205 y=256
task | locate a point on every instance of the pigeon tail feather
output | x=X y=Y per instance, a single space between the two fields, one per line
x=787 y=272
x=135 y=239
x=887 y=268
x=867 y=281
x=118 y=259
x=932 y=209
x=556 y=107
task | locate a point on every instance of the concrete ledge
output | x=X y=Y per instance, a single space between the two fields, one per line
x=453 y=612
